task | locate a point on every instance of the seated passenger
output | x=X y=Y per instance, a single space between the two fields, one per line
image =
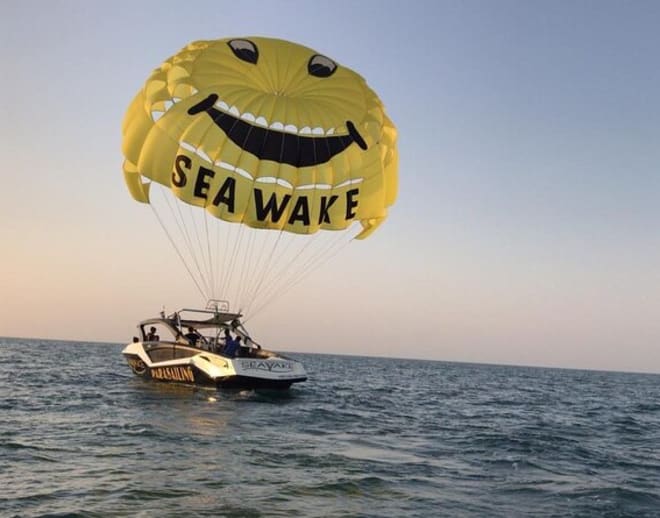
x=192 y=336
x=152 y=336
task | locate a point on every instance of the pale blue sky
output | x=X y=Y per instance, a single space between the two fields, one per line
x=526 y=226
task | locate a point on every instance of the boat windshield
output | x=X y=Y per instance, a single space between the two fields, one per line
x=157 y=332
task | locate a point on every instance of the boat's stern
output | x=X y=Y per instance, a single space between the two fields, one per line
x=274 y=372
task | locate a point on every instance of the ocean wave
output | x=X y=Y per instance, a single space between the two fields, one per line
x=82 y=436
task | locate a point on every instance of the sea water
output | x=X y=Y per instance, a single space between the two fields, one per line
x=80 y=435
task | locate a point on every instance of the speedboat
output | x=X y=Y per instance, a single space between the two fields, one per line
x=208 y=347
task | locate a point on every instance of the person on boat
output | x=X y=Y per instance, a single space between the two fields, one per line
x=231 y=344
x=152 y=336
x=192 y=336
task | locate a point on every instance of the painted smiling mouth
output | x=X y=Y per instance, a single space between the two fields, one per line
x=287 y=147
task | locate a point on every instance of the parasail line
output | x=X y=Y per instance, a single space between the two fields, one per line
x=176 y=248
x=187 y=239
x=280 y=292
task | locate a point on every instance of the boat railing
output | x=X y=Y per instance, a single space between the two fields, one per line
x=218 y=305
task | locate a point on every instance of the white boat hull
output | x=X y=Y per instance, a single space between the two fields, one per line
x=178 y=363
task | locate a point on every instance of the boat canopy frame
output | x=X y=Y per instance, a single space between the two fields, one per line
x=217 y=319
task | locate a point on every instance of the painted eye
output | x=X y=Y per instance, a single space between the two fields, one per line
x=245 y=50
x=320 y=66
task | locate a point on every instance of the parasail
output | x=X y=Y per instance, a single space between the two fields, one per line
x=260 y=158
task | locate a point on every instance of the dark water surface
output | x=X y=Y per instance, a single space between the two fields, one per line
x=80 y=435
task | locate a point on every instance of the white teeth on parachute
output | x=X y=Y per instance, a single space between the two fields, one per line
x=188 y=147
x=319 y=186
x=229 y=167
x=258 y=120
x=201 y=153
x=349 y=182
x=276 y=181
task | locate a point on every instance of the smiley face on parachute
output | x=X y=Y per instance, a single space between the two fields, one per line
x=263 y=132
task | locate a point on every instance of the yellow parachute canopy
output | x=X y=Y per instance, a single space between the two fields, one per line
x=266 y=133
x=245 y=148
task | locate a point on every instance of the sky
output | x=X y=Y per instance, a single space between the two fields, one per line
x=526 y=226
